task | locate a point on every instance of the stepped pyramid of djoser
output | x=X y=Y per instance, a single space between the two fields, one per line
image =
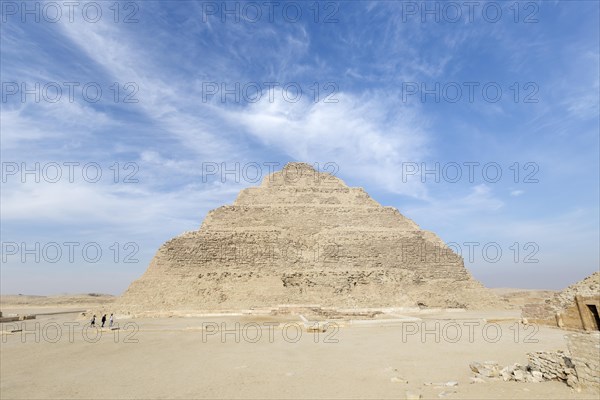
x=304 y=237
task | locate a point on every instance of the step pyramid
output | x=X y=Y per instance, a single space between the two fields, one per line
x=305 y=237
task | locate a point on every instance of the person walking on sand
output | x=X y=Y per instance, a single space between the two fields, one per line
x=110 y=324
x=93 y=321
x=103 y=320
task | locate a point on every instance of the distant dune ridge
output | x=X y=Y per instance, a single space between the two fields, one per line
x=57 y=300
x=305 y=237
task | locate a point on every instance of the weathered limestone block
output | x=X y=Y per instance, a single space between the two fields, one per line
x=585 y=353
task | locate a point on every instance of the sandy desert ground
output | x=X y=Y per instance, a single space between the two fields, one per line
x=260 y=357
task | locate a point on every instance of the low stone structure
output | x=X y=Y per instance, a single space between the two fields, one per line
x=575 y=308
x=16 y=317
x=325 y=312
x=539 y=313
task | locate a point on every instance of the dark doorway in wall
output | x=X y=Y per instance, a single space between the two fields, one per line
x=596 y=317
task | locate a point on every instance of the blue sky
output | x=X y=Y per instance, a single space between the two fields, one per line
x=373 y=64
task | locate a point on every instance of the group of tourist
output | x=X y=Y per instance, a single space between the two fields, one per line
x=110 y=324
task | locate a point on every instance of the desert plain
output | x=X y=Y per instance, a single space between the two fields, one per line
x=253 y=354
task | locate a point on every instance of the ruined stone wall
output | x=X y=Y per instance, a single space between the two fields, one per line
x=553 y=366
x=585 y=354
x=539 y=313
x=580 y=367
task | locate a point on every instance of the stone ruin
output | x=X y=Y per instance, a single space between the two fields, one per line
x=542 y=366
x=577 y=307
x=585 y=355
x=305 y=237
x=579 y=367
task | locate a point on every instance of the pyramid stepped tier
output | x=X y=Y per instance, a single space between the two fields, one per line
x=304 y=237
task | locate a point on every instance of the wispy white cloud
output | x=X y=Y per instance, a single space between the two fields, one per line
x=31 y=122
x=164 y=100
x=368 y=136
x=132 y=208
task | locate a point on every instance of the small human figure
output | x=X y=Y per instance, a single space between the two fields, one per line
x=110 y=324
x=103 y=320
x=93 y=321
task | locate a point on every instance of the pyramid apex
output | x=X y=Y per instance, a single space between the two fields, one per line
x=300 y=174
x=298 y=166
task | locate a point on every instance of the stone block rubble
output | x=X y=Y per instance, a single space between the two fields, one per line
x=542 y=366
